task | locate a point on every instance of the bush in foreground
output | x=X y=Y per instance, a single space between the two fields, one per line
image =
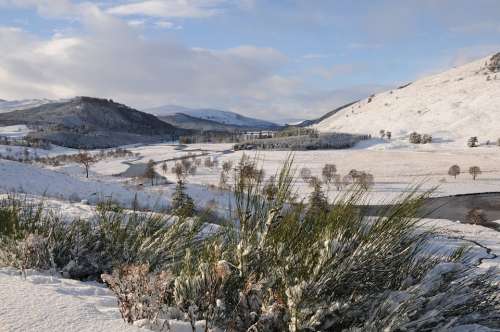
x=283 y=266
x=32 y=237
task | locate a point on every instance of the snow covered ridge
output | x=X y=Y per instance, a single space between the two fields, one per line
x=224 y=117
x=14 y=105
x=454 y=105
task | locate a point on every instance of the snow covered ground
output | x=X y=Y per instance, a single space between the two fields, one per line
x=48 y=303
x=396 y=167
x=14 y=131
x=88 y=306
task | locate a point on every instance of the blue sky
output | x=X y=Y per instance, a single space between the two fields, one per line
x=270 y=59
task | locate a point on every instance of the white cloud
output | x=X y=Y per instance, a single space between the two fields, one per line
x=312 y=56
x=111 y=59
x=170 y=8
x=136 y=23
x=165 y=24
x=51 y=8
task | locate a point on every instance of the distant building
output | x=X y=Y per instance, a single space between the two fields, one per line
x=251 y=135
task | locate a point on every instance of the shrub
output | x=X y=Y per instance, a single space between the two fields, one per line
x=476 y=217
x=32 y=237
x=472 y=142
x=426 y=138
x=141 y=294
x=415 y=138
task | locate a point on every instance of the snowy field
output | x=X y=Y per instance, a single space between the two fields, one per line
x=396 y=166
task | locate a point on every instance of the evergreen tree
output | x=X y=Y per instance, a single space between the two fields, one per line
x=182 y=203
x=318 y=203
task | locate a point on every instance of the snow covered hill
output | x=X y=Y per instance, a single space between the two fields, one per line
x=223 y=117
x=454 y=105
x=14 y=105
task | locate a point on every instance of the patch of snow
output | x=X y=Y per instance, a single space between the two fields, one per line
x=16 y=131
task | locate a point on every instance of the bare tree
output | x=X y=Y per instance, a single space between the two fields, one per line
x=328 y=173
x=149 y=172
x=179 y=171
x=314 y=182
x=337 y=179
x=164 y=167
x=208 y=162
x=454 y=171
x=474 y=171
x=305 y=174
x=227 y=166
x=86 y=160
x=365 y=180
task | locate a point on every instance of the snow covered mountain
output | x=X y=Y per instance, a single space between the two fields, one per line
x=14 y=105
x=454 y=105
x=222 y=117
x=91 y=123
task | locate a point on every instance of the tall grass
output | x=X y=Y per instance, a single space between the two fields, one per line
x=86 y=248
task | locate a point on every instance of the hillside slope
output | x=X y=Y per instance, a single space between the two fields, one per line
x=222 y=117
x=90 y=122
x=454 y=105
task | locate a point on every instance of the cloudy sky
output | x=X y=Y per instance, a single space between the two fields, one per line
x=272 y=59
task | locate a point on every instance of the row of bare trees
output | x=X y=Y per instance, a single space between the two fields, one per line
x=455 y=170
x=330 y=176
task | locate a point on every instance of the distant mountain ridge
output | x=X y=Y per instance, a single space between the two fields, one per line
x=91 y=122
x=14 y=105
x=231 y=120
x=185 y=121
x=453 y=105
